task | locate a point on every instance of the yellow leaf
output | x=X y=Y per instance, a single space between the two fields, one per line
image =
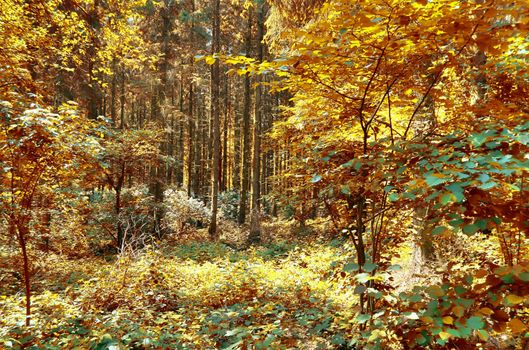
x=448 y=320
x=515 y=299
x=483 y=335
x=210 y=60
x=486 y=311
x=444 y=335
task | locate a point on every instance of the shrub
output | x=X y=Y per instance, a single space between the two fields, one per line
x=228 y=204
x=182 y=211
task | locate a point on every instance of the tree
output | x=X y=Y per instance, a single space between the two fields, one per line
x=246 y=126
x=362 y=86
x=215 y=116
x=42 y=152
x=255 y=229
x=128 y=154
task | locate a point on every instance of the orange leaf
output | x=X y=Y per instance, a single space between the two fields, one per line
x=517 y=326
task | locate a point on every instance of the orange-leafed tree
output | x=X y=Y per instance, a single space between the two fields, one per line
x=41 y=152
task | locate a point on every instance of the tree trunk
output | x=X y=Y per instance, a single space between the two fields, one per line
x=224 y=178
x=113 y=95
x=255 y=226
x=246 y=129
x=122 y=99
x=236 y=173
x=215 y=117
x=191 y=143
x=23 y=230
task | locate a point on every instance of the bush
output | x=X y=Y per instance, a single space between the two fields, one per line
x=229 y=204
x=182 y=211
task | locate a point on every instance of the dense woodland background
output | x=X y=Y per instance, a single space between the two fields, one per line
x=264 y=174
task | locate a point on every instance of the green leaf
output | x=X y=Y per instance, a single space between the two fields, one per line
x=446 y=198
x=395 y=268
x=475 y=322
x=388 y=188
x=360 y=289
x=478 y=139
x=362 y=318
x=233 y=346
x=421 y=339
x=337 y=339
x=349 y=267
x=457 y=190
x=454 y=332
x=435 y=179
x=470 y=229
x=370 y=267
x=482 y=223
x=484 y=178
x=488 y=185
x=393 y=197
x=316 y=178
x=460 y=290
x=439 y=230
x=363 y=277
x=524 y=276
x=235 y=331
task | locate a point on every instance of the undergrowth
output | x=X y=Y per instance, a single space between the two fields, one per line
x=194 y=296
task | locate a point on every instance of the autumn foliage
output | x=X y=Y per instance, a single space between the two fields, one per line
x=264 y=174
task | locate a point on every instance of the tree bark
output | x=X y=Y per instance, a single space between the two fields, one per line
x=246 y=129
x=122 y=99
x=191 y=143
x=255 y=226
x=215 y=117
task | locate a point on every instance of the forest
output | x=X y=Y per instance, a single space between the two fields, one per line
x=264 y=174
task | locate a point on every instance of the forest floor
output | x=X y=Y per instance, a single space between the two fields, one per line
x=289 y=292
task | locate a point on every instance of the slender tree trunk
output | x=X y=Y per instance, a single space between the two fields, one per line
x=215 y=116
x=113 y=94
x=117 y=188
x=255 y=226
x=119 y=228
x=171 y=151
x=191 y=143
x=21 y=231
x=198 y=153
x=91 y=86
x=224 y=178
x=236 y=173
x=246 y=129
x=181 y=125
x=122 y=99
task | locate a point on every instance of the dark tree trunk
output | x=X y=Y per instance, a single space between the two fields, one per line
x=122 y=99
x=246 y=129
x=191 y=143
x=236 y=172
x=224 y=178
x=215 y=117
x=21 y=231
x=255 y=226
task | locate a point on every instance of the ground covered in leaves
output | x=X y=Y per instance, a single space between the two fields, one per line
x=283 y=294
x=193 y=296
